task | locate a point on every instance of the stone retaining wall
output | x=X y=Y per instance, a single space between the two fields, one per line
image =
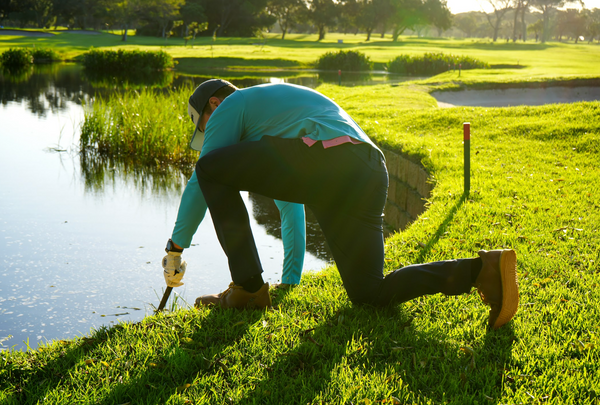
x=409 y=187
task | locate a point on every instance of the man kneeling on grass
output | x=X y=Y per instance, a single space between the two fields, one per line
x=293 y=144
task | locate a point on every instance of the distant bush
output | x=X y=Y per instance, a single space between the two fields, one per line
x=41 y=55
x=127 y=61
x=344 y=60
x=432 y=64
x=16 y=58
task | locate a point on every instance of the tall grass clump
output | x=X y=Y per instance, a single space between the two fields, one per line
x=15 y=58
x=345 y=60
x=122 y=61
x=44 y=55
x=151 y=127
x=431 y=64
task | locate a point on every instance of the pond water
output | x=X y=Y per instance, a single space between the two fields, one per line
x=82 y=241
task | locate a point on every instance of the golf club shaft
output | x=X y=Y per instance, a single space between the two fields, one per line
x=164 y=300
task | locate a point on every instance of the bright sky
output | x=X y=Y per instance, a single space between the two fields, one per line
x=461 y=6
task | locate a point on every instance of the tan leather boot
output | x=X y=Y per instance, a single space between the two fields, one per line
x=236 y=297
x=497 y=285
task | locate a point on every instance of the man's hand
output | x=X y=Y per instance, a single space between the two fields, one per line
x=174 y=269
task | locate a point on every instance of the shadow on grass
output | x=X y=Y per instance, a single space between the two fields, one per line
x=355 y=353
x=206 y=352
x=363 y=353
x=441 y=229
x=34 y=377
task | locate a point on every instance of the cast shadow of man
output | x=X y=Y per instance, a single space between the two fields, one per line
x=361 y=350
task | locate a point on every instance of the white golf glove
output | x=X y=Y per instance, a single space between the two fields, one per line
x=174 y=269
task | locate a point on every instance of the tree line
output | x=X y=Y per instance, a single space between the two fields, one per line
x=542 y=19
x=228 y=17
x=188 y=18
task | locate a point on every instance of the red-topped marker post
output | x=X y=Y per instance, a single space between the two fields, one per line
x=467 y=143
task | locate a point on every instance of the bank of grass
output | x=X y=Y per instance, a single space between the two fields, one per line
x=534 y=188
x=512 y=63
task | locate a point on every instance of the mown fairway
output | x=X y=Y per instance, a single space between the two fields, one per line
x=534 y=188
x=515 y=62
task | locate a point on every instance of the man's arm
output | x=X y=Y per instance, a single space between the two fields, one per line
x=192 y=210
x=293 y=234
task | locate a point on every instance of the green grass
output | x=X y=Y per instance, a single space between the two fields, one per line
x=535 y=179
x=515 y=62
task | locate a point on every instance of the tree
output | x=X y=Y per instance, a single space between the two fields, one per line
x=467 y=23
x=236 y=17
x=547 y=7
x=287 y=12
x=43 y=11
x=164 y=12
x=322 y=13
x=348 y=16
x=123 y=13
x=438 y=14
x=524 y=9
x=69 y=11
x=572 y=22
x=190 y=13
x=536 y=28
x=520 y=7
x=7 y=7
x=23 y=12
x=369 y=16
x=593 y=25
x=501 y=7
x=385 y=9
x=406 y=15
x=193 y=29
x=417 y=14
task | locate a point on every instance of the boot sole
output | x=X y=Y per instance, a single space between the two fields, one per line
x=510 y=288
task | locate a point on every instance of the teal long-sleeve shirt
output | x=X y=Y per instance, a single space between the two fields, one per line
x=280 y=110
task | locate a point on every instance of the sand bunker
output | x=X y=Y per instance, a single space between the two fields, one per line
x=516 y=97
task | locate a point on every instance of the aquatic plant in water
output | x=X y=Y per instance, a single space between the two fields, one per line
x=353 y=61
x=127 y=61
x=151 y=126
x=432 y=64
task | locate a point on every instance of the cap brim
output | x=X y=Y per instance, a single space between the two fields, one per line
x=197 y=140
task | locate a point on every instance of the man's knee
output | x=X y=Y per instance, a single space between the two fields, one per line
x=366 y=293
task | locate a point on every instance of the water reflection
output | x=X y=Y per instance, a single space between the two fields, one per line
x=266 y=214
x=100 y=172
x=49 y=87
x=45 y=88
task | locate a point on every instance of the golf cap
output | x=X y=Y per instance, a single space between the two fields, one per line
x=197 y=102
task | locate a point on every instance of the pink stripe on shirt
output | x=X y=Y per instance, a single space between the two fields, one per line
x=331 y=142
